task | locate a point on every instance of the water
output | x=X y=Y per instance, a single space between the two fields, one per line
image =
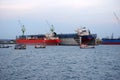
x=60 y=63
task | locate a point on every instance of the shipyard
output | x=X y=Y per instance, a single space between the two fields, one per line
x=59 y=39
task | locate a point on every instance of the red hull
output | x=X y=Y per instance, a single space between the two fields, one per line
x=38 y=41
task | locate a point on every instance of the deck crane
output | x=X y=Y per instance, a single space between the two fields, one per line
x=52 y=29
x=22 y=27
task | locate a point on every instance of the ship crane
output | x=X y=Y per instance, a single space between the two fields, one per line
x=22 y=27
x=52 y=29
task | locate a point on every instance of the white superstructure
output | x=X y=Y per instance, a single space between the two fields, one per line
x=83 y=31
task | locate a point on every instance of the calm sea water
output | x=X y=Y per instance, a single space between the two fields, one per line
x=60 y=63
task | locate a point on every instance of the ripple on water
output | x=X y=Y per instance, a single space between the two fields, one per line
x=61 y=63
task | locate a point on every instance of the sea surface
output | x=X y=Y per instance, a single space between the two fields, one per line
x=60 y=63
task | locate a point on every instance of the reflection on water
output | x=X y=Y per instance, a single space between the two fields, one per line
x=60 y=63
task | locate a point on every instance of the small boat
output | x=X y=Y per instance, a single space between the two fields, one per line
x=20 y=46
x=83 y=46
x=40 y=46
x=4 y=46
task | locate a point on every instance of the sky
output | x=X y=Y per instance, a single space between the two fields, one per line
x=99 y=16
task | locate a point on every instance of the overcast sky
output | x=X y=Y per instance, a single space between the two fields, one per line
x=65 y=15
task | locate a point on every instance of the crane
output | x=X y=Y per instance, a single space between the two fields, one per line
x=117 y=18
x=52 y=29
x=22 y=27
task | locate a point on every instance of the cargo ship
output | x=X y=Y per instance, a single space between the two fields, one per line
x=83 y=35
x=108 y=41
x=111 y=41
x=48 y=39
x=74 y=39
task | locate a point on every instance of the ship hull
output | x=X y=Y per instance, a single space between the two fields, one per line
x=74 y=39
x=63 y=39
x=38 y=41
x=89 y=40
x=111 y=41
x=68 y=41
